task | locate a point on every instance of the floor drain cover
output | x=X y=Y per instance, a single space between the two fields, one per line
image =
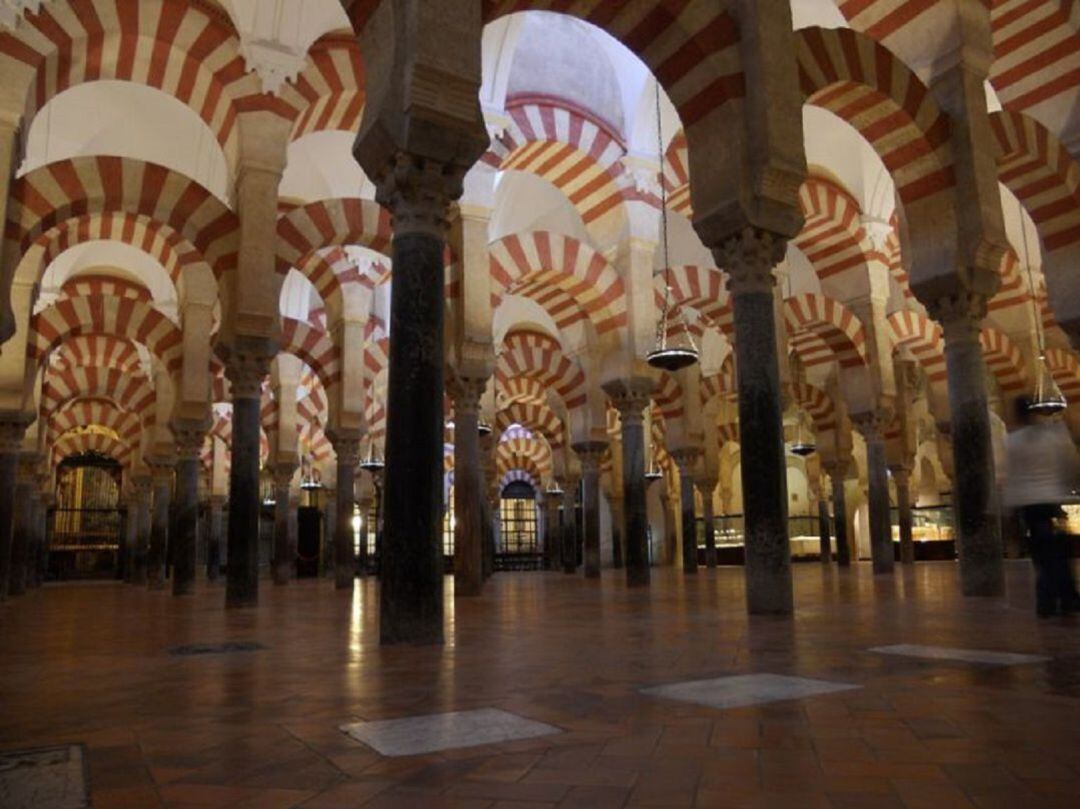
x=216 y=648
x=44 y=778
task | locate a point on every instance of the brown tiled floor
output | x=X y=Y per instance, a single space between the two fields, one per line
x=259 y=729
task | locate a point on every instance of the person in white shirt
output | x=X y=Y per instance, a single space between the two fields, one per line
x=1043 y=471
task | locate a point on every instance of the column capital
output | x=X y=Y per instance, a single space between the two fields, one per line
x=346 y=444
x=12 y=430
x=748 y=258
x=960 y=314
x=871 y=424
x=283 y=475
x=189 y=436
x=160 y=468
x=246 y=371
x=589 y=453
x=706 y=484
x=837 y=469
x=686 y=458
x=630 y=396
x=465 y=392
x=418 y=192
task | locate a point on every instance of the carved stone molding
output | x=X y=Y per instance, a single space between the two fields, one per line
x=189 y=436
x=871 y=424
x=418 y=192
x=960 y=315
x=12 y=432
x=246 y=372
x=465 y=392
x=630 y=397
x=749 y=259
x=346 y=444
x=590 y=453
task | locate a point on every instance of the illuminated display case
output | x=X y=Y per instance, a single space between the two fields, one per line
x=932 y=531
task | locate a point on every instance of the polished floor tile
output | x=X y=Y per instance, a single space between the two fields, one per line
x=742 y=690
x=43 y=778
x=963 y=655
x=414 y=735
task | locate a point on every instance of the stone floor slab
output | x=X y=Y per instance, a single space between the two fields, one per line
x=44 y=778
x=742 y=690
x=963 y=655
x=414 y=735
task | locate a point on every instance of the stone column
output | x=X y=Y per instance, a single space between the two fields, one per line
x=630 y=398
x=707 y=487
x=45 y=530
x=824 y=534
x=214 y=537
x=34 y=549
x=329 y=511
x=617 y=533
x=284 y=553
x=189 y=441
x=837 y=472
x=982 y=562
x=245 y=369
x=347 y=446
x=569 y=533
x=872 y=428
x=11 y=437
x=686 y=458
x=590 y=454
x=142 y=491
x=131 y=533
x=22 y=530
x=553 y=533
x=489 y=501
x=468 y=487
x=748 y=260
x=366 y=530
x=161 y=472
x=902 y=479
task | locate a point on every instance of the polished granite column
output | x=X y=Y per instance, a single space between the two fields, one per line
x=872 y=428
x=284 y=552
x=214 y=536
x=366 y=531
x=570 y=527
x=617 y=533
x=11 y=437
x=554 y=530
x=837 y=471
x=979 y=544
x=347 y=447
x=143 y=489
x=246 y=368
x=23 y=526
x=686 y=458
x=902 y=480
x=162 y=472
x=489 y=502
x=45 y=527
x=630 y=398
x=824 y=534
x=468 y=487
x=417 y=193
x=189 y=442
x=590 y=454
x=748 y=260
x=707 y=487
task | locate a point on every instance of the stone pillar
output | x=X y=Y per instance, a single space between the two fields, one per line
x=553 y=533
x=45 y=531
x=468 y=487
x=824 y=534
x=569 y=532
x=366 y=531
x=162 y=472
x=902 y=479
x=284 y=553
x=748 y=260
x=630 y=398
x=246 y=370
x=214 y=537
x=489 y=513
x=347 y=446
x=590 y=454
x=979 y=544
x=617 y=533
x=329 y=511
x=11 y=437
x=131 y=533
x=707 y=487
x=189 y=441
x=837 y=472
x=686 y=458
x=872 y=428
x=141 y=551
x=22 y=529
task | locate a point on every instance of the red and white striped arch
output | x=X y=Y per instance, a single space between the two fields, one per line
x=97 y=412
x=327 y=223
x=1065 y=368
x=1004 y=360
x=894 y=258
x=668 y=397
x=1014 y=286
x=923 y=338
x=834 y=326
x=330 y=270
x=539 y=356
x=128 y=391
x=832 y=237
x=97 y=350
x=519 y=475
x=727 y=433
x=520 y=389
x=588 y=286
x=329 y=93
x=722 y=384
x=314 y=346
x=49 y=196
x=531 y=454
x=80 y=443
x=817 y=405
x=701 y=287
x=534 y=416
x=676 y=175
x=861 y=82
x=693 y=50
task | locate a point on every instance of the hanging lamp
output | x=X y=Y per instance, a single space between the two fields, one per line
x=553 y=489
x=801 y=446
x=483 y=427
x=1048 y=398
x=653 y=472
x=372 y=463
x=668 y=356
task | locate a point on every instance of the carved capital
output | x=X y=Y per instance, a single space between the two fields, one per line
x=837 y=469
x=465 y=392
x=749 y=258
x=706 y=484
x=590 y=453
x=189 y=436
x=346 y=444
x=12 y=431
x=686 y=459
x=630 y=397
x=871 y=424
x=161 y=469
x=283 y=475
x=418 y=192
x=960 y=315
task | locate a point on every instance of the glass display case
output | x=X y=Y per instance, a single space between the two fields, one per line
x=932 y=531
x=803 y=530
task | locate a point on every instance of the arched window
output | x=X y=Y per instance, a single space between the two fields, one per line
x=517 y=510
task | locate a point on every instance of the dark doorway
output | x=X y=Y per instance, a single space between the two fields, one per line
x=308 y=531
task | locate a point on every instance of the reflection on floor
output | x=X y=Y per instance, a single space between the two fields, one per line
x=741 y=690
x=262 y=727
x=963 y=655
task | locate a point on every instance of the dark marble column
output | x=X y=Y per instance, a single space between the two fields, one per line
x=214 y=536
x=162 y=473
x=490 y=516
x=142 y=492
x=617 y=532
x=590 y=454
x=979 y=544
x=284 y=553
x=246 y=368
x=872 y=427
x=189 y=441
x=707 y=487
x=417 y=193
x=837 y=472
x=11 y=437
x=748 y=260
x=630 y=398
x=553 y=533
x=687 y=458
x=569 y=525
x=366 y=531
x=347 y=447
x=329 y=511
x=21 y=541
x=126 y=553
x=468 y=487
x=824 y=534
x=902 y=480
x=46 y=534
x=34 y=565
